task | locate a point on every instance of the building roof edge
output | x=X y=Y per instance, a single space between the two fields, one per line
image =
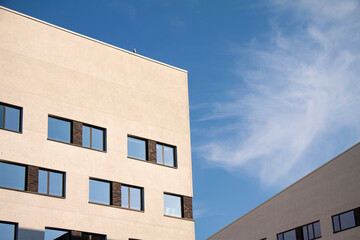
x=312 y=172
x=91 y=39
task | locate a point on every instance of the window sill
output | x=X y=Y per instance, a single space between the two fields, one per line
x=9 y=130
x=345 y=229
x=187 y=219
x=152 y=162
x=35 y=193
x=71 y=144
x=113 y=206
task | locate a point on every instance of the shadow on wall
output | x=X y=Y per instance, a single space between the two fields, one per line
x=29 y=234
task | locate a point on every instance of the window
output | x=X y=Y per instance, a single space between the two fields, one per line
x=54 y=234
x=92 y=236
x=131 y=197
x=165 y=155
x=346 y=220
x=8 y=231
x=51 y=183
x=173 y=205
x=99 y=191
x=12 y=176
x=311 y=231
x=307 y=232
x=10 y=117
x=289 y=235
x=59 y=129
x=136 y=148
x=93 y=137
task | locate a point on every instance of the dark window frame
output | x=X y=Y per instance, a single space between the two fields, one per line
x=20 y=117
x=163 y=155
x=48 y=181
x=129 y=198
x=103 y=140
x=356 y=220
x=16 y=225
x=146 y=147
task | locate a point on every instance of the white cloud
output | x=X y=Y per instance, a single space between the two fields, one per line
x=304 y=86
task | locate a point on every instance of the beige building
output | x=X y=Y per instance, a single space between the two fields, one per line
x=95 y=140
x=323 y=205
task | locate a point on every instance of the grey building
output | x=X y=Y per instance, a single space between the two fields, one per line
x=325 y=204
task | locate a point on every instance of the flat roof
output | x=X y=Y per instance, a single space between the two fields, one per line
x=91 y=39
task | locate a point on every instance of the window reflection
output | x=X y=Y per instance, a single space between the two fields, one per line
x=165 y=155
x=136 y=148
x=172 y=205
x=10 y=117
x=93 y=137
x=12 y=176
x=51 y=183
x=53 y=234
x=7 y=231
x=59 y=129
x=131 y=197
x=99 y=191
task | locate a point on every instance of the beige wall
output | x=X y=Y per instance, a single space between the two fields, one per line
x=329 y=190
x=47 y=70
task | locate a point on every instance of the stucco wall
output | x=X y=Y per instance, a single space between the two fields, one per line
x=47 y=70
x=329 y=190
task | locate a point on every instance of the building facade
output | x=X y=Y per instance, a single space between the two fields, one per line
x=95 y=140
x=325 y=204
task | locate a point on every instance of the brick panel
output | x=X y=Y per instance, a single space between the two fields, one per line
x=32 y=179
x=151 y=145
x=116 y=194
x=77 y=133
x=187 y=206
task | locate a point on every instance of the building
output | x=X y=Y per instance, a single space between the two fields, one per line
x=325 y=204
x=95 y=140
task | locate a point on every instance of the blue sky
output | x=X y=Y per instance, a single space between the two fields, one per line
x=273 y=85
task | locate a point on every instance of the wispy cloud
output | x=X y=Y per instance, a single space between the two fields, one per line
x=302 y=86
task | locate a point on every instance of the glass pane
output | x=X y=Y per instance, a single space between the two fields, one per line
x=51 y=234
x=86 y=136
x=12 y=176
x=280 y=236
x=311 y=232
x=336 y=223
x=305 y=233
x=136 y=148
x=7 y=231
x=59 y=129
x=135 y=198
x=56 y=184
x=97 y=139
x=99 y=191
x=159 y=154
x=290 y=235
x=172 y=205
x=317 y=230
x=12 y=118
x=347 y=220
x=43 y=178
x=169 y=156
x=124 y=196
x=1 y=116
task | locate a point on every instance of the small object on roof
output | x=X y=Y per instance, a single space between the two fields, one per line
x=134 y=51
